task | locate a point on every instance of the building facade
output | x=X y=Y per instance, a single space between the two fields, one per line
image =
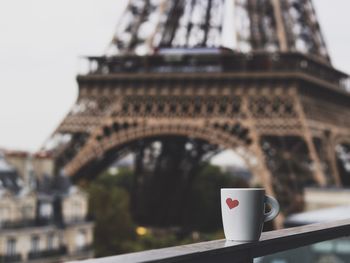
x=45 y=223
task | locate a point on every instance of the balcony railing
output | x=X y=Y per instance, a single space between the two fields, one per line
x=219 y=62
x=10 y=258
x=47 y=253
x=69 y=220
x=38 y=222
x=85 y=248
x=25 y=223
x=236 y=252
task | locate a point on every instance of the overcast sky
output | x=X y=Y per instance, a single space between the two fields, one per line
x=40 y=45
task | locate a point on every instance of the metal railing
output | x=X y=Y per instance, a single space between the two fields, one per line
x=236 y=252
x=219 y=62
x=47 y=253
x=39 y=222
x=23 y=223
x=10 y=258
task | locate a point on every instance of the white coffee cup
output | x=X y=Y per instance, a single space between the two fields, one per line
x=243 y=212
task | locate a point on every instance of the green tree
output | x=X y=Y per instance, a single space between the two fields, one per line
x=204 y=213
x=109 y=206
x=115 y=227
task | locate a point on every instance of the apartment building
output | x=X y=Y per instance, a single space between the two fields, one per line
x=41 y=220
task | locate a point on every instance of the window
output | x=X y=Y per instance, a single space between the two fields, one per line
x=80 y=239
x=34 y=246
x=4 y=214
x=76 y=213
x=74 y=209
x=11 y=246
x=50 y=240
x=45 y=210
x=27 y=212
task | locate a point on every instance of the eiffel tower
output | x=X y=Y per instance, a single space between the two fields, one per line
x=249 y=75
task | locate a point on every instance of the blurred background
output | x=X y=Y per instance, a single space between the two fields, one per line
x=112 y=140
x=48 y=39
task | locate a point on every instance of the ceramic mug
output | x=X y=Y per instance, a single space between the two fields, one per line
x=243 y=212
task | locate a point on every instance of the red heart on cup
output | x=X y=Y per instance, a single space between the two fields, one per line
x=232 y=203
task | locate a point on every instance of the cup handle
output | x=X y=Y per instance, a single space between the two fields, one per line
x=275 y=208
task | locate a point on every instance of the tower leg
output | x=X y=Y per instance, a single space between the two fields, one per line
x=260 y=169
x=318 y=174
x=317 y=169
x=264 y=173
x=331 y=156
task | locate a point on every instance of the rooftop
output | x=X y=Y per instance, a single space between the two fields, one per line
x=319 y=216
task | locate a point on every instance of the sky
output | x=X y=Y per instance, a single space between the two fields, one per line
x=41 y=45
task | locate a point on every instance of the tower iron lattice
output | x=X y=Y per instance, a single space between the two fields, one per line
x=248 y=75
x=241 y=25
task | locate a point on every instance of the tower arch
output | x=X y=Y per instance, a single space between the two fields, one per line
x=104 y=141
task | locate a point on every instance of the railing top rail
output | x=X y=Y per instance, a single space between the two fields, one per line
x=228 y=251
